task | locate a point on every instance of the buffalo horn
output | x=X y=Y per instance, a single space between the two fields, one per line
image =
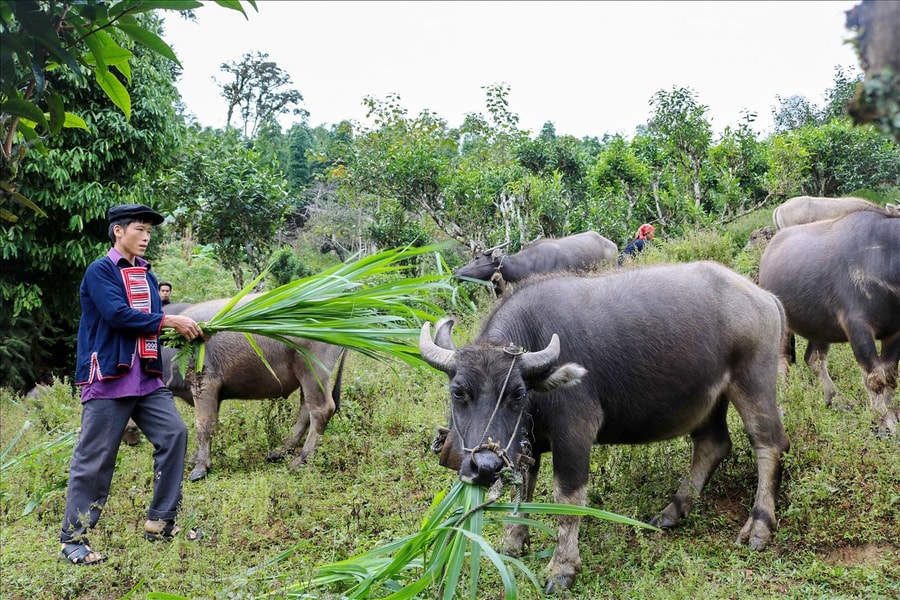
x=439 y=358
x=535 y=362
x=490 y=251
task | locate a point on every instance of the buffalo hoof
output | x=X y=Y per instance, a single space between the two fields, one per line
x=559 y=583
x=890 y=424
x=663 y=522
x=755 y=533
x=275 y=456
x=298 y=463
x=198 y=473
x=668 y=518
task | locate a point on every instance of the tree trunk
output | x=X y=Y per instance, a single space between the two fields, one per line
x=878 y=47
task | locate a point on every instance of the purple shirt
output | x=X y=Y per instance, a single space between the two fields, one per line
x=135 y=382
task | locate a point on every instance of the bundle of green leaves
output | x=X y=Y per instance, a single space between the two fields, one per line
x=448 y=546
x=372 y=305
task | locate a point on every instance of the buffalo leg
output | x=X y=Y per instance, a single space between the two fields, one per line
x=132 y=434
x=817 y=358
x=316 y=410
x=887 y=400
x=301 y=425
x=712 y=443
x=762 y=421
x=516 y=537
x=566 y=561
x=788 y=353
x=206 y=412
x=879 y=374
x=569 y=487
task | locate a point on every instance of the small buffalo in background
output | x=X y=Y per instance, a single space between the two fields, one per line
x=580 y=252
x=759 y=238
x=232 y=370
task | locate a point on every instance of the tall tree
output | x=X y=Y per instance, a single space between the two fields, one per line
x=619 y=184
x=77 y=38
x=877 y=41
x=680 y=123
x=223 y=194
x=80 y=174
x=260 y=91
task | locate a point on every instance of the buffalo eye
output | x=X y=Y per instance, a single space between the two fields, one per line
x=517 y=397
x=458 y=394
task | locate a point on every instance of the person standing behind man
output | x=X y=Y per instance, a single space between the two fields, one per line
x=636 y=246
x=119 y=371
x=165 y=292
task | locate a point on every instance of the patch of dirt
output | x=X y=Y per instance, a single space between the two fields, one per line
x=867 y=554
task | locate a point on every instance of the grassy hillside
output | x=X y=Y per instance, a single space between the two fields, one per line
x=374 y=477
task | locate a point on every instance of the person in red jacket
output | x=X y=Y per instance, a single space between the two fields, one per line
x=644 y=234
x=118 y=368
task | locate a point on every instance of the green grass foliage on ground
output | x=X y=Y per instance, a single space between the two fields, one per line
x=374 y=476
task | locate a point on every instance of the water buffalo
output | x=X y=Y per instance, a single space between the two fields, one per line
x=839 y=281
x=232 y=370
x=175 y=308
x=806 y=209
x=577 y=252
x=622 y=357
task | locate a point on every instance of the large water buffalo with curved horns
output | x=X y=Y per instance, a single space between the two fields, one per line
x=807 y=209
x=622 y=357
x=839 y=281
x=232 y=370
x=579 y=252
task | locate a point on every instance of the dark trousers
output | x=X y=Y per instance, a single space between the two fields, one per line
x=93 y=461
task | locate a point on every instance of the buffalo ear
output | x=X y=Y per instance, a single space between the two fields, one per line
x=562 y=376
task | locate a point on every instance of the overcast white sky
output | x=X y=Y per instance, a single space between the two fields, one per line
x=589 y=67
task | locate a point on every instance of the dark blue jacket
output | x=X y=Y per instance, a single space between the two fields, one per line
x=109 y=327
x=633 y=248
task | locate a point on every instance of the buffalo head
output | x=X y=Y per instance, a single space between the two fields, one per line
x=483 y=266
x=490 y=387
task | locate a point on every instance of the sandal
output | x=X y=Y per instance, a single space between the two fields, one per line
x=80 y=554
x=165 y=531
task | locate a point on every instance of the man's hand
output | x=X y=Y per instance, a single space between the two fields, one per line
x=185 y=326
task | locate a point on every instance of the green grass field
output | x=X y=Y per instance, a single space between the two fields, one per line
x=374 y=477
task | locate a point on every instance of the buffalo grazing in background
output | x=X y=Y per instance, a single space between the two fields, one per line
x=623 y=357
x=579 y=252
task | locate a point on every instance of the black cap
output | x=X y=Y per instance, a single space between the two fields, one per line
x=134 y=212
